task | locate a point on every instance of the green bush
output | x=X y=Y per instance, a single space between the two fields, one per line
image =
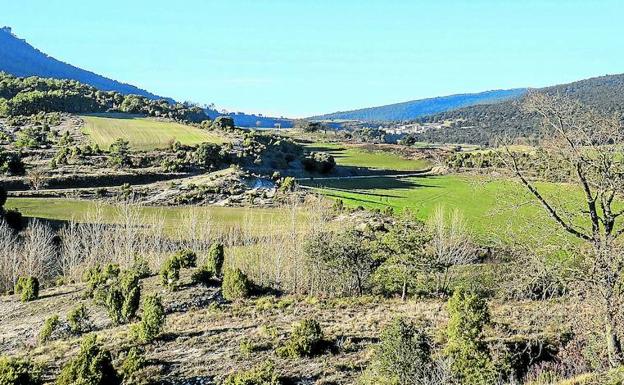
x=141 y=267
x=466 y=347
x=261 y=375
x=27 y=288
x=131 y=292
x=97 y=278
x=122 y=299
x=170 y=271
x=92 y=366
x=18 y=372
x=152 y=319
x=305 y=340
x=132 y=364
x=235 y=285
x=215 y=258
x=187 y=258
x=78 y=320
x=50 y=325
x=402 y=357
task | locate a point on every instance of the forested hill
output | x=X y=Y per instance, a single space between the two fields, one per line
x=417 y=108
x=482 y=124
x=19 y=58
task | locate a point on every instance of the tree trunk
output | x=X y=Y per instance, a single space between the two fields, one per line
x=404 y=292
x=614 y=346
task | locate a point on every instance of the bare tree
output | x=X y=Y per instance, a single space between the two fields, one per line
x=585 y=148
x=450 y=244
x=36 y=179
x=8 y=257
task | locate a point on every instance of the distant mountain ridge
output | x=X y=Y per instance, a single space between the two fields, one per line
x=19 y=58
x=482 y=124
x=423 y=107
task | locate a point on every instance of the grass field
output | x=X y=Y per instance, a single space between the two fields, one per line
x=353 y=156
x=174 y=217
x=142 y=133
x=494 y=209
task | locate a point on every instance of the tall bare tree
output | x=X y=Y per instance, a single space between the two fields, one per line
x=585 y=148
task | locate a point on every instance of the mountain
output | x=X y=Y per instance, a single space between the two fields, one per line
x=422 y=107
x=19 y=58
x=482 y=124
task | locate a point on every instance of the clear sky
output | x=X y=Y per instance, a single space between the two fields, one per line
x=303 y=57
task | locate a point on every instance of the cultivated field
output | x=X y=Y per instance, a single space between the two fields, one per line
x=495 y=208
x=142 y=133
x=172 y=217
x=358 y=156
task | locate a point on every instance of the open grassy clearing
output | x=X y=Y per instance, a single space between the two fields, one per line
x=354 y=156
x=494 y=208
x=203 y=339
x=174 y=217
x=142 y=133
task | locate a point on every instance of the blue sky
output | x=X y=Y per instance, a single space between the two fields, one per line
x=298 y=57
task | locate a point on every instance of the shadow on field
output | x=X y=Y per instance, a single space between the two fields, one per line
x=372 y=183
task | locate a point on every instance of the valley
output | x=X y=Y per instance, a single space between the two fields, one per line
x=468 y=239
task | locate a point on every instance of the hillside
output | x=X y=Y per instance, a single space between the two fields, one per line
x=417 y=108
x=19 y=58
x=481 y=124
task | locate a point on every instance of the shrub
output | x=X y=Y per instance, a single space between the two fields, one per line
x=132 y=363
x=321 y=162
x=18 y=372
x=305 y=340
x=235 y=285
x=27 y=288
x=215 y=258
x=50 y=325
x=261 y=375
x=92 y=366
x=97 y=278
x=152 y=319
x=187 y=258
x=470 y=355
x=119 y=153
x=122 y=298
x=131 y=292
x=114 y=303
x=141 y=267
x=402 y=357
x=78 y=320
x=170 y=271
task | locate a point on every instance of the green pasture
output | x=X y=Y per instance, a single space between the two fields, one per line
x=174 y=218
x=495 y=209
x=354 y=156
x=142 y=133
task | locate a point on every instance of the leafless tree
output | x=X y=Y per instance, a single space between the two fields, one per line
x=37 y=251
x=450 y=244
x=8 y=257
x=36 y=179
x=585 y=148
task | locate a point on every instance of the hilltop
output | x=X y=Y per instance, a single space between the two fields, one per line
x=19 y=58
x=422 y=107
x=481 y=124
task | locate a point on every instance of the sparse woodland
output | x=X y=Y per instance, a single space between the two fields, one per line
x=318 y=292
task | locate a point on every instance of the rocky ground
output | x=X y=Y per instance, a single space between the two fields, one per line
x=206 y=338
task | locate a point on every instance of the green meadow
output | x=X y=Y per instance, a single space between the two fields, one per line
x=494 y=208
x=142 y=133
x=354 y=156
x=174 y=218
